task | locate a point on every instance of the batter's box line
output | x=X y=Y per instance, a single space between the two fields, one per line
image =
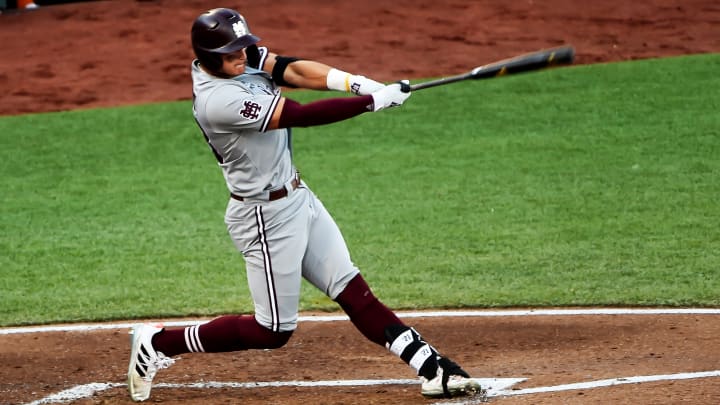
x=589 y=385
x=496 y=387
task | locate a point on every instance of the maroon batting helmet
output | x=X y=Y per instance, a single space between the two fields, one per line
x=219 y=31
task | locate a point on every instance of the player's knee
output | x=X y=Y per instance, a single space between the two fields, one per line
x=356 y=296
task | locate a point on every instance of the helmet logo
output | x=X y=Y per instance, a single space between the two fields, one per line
x=239 y=28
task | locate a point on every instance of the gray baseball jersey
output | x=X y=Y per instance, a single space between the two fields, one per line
x=281 y=239
x=230 y=112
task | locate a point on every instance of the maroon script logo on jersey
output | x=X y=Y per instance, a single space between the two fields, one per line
x=251 y=110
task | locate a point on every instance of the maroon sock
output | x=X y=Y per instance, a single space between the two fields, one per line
x=224 y=334
x=367 y=313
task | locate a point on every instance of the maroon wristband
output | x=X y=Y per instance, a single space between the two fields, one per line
x=322 y=112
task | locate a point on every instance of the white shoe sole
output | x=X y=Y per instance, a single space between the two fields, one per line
x=465 y=387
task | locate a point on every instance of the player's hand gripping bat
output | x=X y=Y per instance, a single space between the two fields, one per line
x=537 y=60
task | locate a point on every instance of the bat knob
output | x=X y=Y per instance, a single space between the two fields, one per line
x=405 y=86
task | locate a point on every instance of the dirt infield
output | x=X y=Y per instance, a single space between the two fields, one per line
x=110 y=53
x=545 y=350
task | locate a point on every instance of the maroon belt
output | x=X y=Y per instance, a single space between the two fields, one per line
x=276 y=194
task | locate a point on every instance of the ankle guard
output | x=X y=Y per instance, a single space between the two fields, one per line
x=406 y=343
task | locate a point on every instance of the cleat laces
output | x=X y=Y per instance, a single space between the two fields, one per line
x=147 y=366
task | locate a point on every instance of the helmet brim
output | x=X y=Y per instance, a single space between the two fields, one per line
x=238 y=44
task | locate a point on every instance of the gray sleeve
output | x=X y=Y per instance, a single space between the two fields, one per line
x=232 y=108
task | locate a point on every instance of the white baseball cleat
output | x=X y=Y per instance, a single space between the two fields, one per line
x=450 y=381
x=144 y=361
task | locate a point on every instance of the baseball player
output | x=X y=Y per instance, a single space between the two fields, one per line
x=282 y=229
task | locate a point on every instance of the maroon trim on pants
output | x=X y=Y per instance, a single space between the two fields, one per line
x=267 y=266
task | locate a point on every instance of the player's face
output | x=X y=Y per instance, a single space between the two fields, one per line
x=234 y=63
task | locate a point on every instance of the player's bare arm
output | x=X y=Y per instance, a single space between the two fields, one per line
x=305 y=74
x=308 y=74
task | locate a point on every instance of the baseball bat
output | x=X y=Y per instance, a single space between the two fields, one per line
x=563 y=55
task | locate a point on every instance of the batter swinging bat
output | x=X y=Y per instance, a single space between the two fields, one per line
x=537 y=60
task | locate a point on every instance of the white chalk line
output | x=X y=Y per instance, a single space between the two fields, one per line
x=496 y=387
x=591 y=385
x=434 y=314
x=88 y=390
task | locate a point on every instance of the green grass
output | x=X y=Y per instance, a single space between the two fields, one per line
x=590 y=185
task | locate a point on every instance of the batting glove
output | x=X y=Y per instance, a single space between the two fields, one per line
x=389 y=96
